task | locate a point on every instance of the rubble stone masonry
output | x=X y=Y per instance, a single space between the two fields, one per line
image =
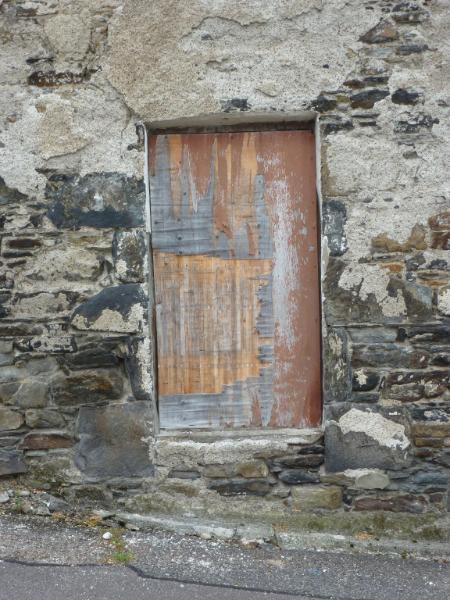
x=77 y=398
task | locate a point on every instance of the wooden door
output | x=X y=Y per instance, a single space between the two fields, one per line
x=235 y=256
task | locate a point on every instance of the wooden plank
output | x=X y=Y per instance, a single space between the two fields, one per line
x=236 y=279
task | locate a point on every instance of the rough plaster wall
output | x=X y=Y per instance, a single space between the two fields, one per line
x=272 y=53
x=76 y=76
x=51 y=125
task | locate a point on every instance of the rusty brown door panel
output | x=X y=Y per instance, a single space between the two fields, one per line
x=235 y=253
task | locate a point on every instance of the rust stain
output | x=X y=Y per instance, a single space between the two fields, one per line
x=415 y=241
x=287 y=160
x=236 y=214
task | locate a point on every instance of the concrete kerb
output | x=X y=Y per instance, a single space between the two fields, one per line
x=258 y=534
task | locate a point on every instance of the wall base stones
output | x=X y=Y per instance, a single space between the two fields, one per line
x=78 y=404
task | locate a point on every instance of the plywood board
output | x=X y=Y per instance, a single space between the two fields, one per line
x=235 y=250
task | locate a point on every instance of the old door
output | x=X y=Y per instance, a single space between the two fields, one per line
x=235 y=256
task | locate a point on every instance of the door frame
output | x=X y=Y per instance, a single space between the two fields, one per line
x=312 y=125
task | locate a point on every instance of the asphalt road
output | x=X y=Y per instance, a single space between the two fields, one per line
x=43 y=560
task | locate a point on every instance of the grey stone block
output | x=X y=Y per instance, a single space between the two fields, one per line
x=365 y=439
x=118 y=308
x=113 y=441
x=96 y=200
x=11 y=463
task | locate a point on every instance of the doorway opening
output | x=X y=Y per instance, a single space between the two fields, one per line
x=236 y=253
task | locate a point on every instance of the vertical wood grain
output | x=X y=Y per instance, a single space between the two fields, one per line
x=236 y=279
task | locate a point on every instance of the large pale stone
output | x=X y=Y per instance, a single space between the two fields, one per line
x=368 y=479
x=31 y=394
x=311 y=497
x=69 y=35
x=363 y=439
x=10 y=419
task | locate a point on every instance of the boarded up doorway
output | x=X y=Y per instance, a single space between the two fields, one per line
x=236 y=275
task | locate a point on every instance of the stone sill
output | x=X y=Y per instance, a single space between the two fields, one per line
x=306 y=435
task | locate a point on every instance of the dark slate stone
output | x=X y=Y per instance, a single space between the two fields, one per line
x=129 y=249
x=120 y=299
x=407 y=49
x=341 y=305
x=233 y=104
x=5 y=298
x=439 y=264
x=334 y=215
x=441 y=360
x=94 y=352
x=432 y=477
x=11 y=463
x=383 y=32
x=366 y=381
x=415 y=262
x=402 y=96
x=335 y=123
x=60 y=344
x=314 y=449
x=439 y=332
x=323 y=103
x=376 y=80
x=367 y=98
x=409 y=12
x=86 y=386
x=409 y=384
x=10 y=195
x=336 y=367
x=431 y=415
x=443 y=459
x=52 y=78
x=96 y=200
x=296 y=476
x=295 y=461
x=241 y=487
x=93 y=358
x=134 y=370
x=356 y=450
x=415 y=124
x=365 y=397
x=418 y=298
x=113 y=441
x=389 y=355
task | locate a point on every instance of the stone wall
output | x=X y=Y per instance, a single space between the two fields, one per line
x=77 y=412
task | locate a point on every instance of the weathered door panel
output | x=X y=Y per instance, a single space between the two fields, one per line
x=235 y=251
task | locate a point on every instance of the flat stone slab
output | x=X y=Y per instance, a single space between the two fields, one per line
x=112 y=441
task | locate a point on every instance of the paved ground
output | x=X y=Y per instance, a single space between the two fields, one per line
x=74 y=565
